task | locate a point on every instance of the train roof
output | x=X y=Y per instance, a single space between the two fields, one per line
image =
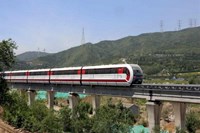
x=110 y=66
x=65 y=68
x=18 y=71
x=39 y=70
x=76 y=68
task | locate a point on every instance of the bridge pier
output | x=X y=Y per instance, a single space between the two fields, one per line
x=31 y=97
x=95 y=102
x=50 y=98
x=180 y=113
x=154 y=111
x=73 y=100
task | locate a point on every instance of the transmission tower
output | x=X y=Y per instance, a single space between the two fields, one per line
x=161 y=26
x=195 y=22
x=83 y=37
x=179 y=24
x=38 y=52
x=190 y=23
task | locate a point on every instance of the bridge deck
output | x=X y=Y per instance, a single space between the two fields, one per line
x=181 y=93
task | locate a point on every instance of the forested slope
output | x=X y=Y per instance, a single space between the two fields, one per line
x=173 y=51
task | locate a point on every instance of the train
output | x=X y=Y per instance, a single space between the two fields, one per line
x=106 y=75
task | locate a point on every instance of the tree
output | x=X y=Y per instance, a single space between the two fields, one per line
x=35 y=118
x=6 y=61
x=51 y=123
x=4 y=97
x=17 y=111
x=65 y=117
x=178 y=130
x=192 y=122
x=113 y=118
x=81 y=122
x=7 y=57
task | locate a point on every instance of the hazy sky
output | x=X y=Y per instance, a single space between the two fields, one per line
x=56 y=25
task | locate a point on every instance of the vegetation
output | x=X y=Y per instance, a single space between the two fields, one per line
x=28 y=56
x=192 y=122
x=6 y=53
x=35 y=118
x=65 y=115
x=169 y=53
x=80 y=119
x=6 y=60
x=178 y=130
x=194 y=80
x=113 y=119
x=38 y=118
x=161 y=55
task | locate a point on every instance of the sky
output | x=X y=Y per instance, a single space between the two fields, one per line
x=57 y=25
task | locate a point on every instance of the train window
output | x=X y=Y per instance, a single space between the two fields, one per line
x=93 y=71
x=7 y=74
x=69 y=72
x=59 y=72
x=137 y=71
x=38 y=73
x=113 y=70
x=19 y=74
x=101 y=71
x=65 y=72
x=126 y=71
x=89 y=71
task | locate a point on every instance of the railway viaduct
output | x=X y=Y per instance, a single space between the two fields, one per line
x=155 y=94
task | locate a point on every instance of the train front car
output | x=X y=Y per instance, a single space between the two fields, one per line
x=39 y=76
x=111 y=75
x=70 y=75
x=137 y=74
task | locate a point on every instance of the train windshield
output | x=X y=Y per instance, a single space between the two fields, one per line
x=137 y=71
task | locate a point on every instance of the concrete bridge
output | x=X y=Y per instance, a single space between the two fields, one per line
x=178 y=95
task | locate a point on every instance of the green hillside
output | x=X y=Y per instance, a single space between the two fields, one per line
x=28 y=56
x=156 y=52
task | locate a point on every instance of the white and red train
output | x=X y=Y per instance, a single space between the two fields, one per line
x=112 y=75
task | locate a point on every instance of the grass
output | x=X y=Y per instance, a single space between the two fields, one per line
x=165 y=81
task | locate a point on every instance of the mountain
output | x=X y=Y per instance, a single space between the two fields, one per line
x=28 y=56
x=173 y=51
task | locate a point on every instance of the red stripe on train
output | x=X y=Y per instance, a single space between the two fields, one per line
x=84 y=80
x=101 y=80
